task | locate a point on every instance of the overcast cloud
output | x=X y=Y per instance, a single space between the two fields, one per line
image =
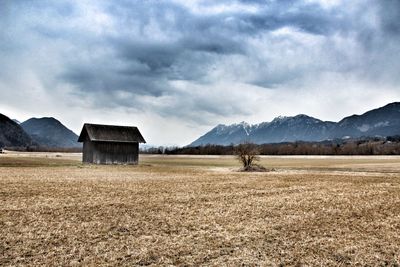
x=178 y=68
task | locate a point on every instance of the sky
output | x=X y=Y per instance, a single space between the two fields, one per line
x=178 y=68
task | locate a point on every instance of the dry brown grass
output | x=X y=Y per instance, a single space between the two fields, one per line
x=199 y=211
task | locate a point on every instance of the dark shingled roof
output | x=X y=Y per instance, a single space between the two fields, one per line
x=110 y=133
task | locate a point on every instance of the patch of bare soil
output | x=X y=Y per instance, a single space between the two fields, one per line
x=255 y=168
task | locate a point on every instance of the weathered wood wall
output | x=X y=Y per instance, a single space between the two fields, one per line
x=110 y=152
x=87 y=152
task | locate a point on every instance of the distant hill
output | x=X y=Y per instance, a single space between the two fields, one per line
x=384 y=121
x=49 y=132
x=12 y=134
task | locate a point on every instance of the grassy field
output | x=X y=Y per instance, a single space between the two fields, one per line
x=191 y=211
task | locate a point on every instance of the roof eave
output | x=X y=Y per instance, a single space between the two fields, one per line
x=116 y=141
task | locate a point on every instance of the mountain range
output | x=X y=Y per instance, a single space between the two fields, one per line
x=41 y=132
x=384 y=121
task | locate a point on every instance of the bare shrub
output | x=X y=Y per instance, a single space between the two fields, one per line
x=248 y=153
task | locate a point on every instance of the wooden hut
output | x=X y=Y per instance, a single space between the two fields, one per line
x=109 y=144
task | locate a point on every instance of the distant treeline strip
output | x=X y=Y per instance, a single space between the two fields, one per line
x=46 y=149
x=367 y=146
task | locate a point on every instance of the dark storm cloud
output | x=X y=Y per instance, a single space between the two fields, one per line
x=389 y=14
x=107 y=79
x=142 y=47
x=379 y=41
x=194 y=43
x=310 y=18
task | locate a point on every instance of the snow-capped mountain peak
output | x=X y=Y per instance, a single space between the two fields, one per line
x=384 y=121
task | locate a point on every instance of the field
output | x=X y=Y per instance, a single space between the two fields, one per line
x=191 y=211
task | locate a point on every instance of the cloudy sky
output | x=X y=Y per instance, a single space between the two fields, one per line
x=177 y=68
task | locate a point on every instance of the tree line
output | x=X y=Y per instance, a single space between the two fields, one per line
x=365 y=146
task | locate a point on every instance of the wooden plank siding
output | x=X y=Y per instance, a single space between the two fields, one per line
x=110 y=152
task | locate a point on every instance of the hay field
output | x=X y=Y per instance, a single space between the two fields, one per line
x=199 y=211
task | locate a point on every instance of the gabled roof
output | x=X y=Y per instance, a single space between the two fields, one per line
x=110 y=133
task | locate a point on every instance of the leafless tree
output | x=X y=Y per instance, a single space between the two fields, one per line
x=247 y=153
